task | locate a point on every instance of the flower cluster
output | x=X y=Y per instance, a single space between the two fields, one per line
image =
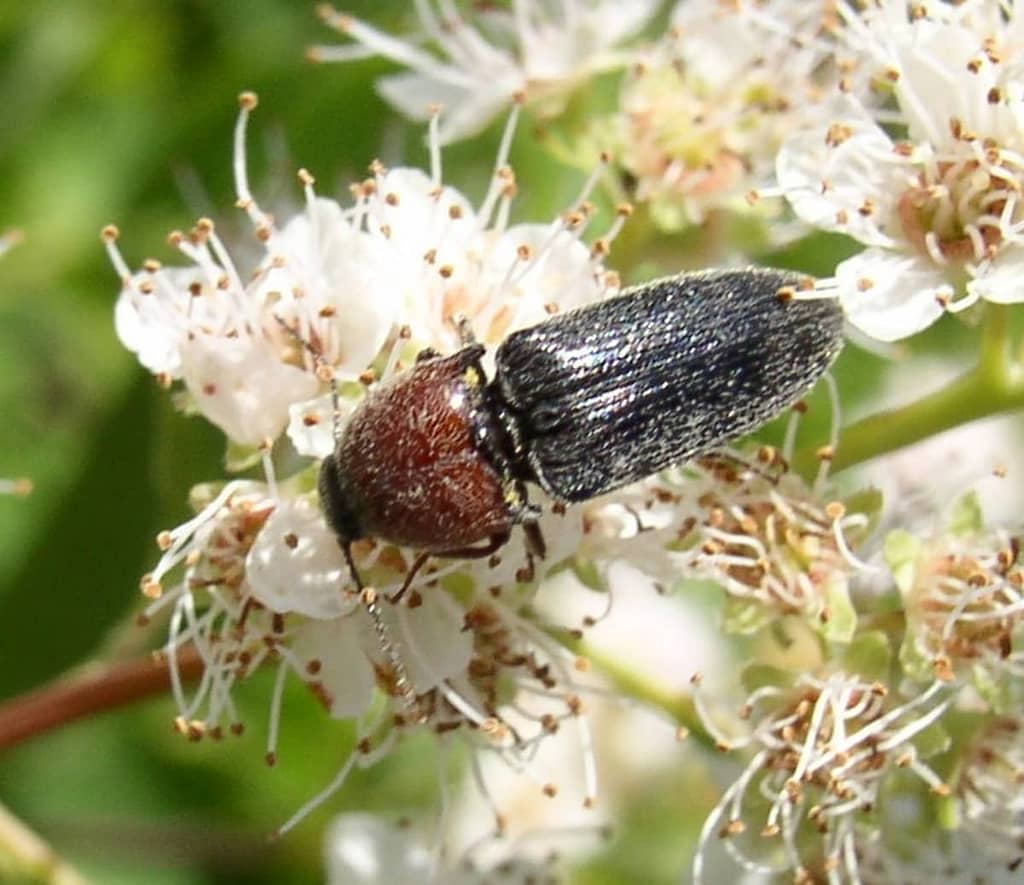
x=536 y=51
x=775 y=544
x=363 y=850
x=256 y=576
x=701 y=117
x=963 y=592
x=895 y=123
x=918 y=159
x=824 y=747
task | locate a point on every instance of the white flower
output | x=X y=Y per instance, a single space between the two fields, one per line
x=774 y=543
x=963 y=593
x=929 y=181
x=364 y=850
x=702 y=118
x=538 y=50
x=220 y=331
x=824 y=749
x=337 y=284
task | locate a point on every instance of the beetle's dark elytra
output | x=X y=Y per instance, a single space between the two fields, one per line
x=615 y=391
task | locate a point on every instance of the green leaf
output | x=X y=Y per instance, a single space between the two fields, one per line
x=757 y=675
x=82 y=572
x=742 y=617
x=869 y=656
x=966 y=517
x=901 y=551
x=868 y=501
x=932 y=740
x=842 y=616
x=915 y=663
x=589 y=575
x=238 y=457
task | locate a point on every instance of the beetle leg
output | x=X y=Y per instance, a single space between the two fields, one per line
x=428 y=353
x=464 y=329
x=417 y=564
x=496 y=542
x=535 y=545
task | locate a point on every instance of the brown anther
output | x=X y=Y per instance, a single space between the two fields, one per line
x=550 y=790
x=682 y=733
x=734 y=827
x=838 y=133
x=110 y=233
x=524 y=252
x=291 y=540
x=310 y=419
x=367 y=378
x=247 y=101
x=446 y=271
x=150 y=587
x=270 y=759
x=391 y=198
x=825 y=453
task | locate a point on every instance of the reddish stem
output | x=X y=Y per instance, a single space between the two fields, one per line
x=70 y=698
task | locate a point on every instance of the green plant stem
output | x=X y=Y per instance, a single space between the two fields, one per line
x=993 y=386
x=635 y=687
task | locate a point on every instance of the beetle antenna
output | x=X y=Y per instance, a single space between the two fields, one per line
x=370 y=599
x=368 y=595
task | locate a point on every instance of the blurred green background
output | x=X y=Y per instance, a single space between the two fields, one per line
x=123 y=112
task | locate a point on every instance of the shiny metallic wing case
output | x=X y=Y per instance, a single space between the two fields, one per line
x=615 y=391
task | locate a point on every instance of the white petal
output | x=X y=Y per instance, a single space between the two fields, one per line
x=344 y=678
x=830 y=187
x=464 y=112
x=432 y=642
x=154 y=326
x=241 y=386
x=560 y=273
x=311 y=424
x=364 y=850
x=1000 y=282
x=334 y=281
x=902 y=298
x=295 y=564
